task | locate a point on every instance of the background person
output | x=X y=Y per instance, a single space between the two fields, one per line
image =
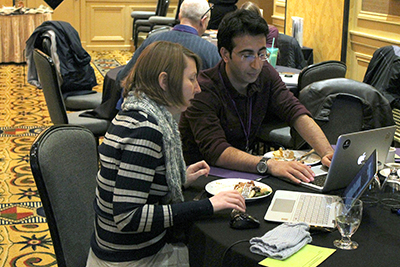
x=139 y=186
x=238 y=95
x=219 y=10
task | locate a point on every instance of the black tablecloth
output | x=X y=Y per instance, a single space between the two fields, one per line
x=209 y=238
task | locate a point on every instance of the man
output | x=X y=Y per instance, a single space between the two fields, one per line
x=194 y=16
x=237 y=96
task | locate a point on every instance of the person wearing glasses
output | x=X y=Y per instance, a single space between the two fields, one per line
x=238 y=95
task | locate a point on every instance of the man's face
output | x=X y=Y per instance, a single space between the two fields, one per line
x=241 y=65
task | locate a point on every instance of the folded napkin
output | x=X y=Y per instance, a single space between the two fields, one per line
x=282 y=241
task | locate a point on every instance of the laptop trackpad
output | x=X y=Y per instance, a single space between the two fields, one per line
x=283 y=205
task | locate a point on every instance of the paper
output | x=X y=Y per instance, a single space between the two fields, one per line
x=308 y=256
x=289 y=79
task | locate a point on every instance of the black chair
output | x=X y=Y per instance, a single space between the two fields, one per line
x=64 y=163
x=75 y=99
x=343 y=105
x=321 y=71
x=290 y=53
x=141 y=19
x=383 y=73
x=163 y=21
x=48 y=77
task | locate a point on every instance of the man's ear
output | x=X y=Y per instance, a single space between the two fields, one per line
x=225 y=54
x=163 y=80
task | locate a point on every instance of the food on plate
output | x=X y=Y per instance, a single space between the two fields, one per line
x=283 y=154
x=255 y=191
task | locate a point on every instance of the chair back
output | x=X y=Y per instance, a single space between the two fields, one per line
x=290 y=53
x=321 y=71
x=343 y=105
x=47 y=74
x=64 y=163
x=162 y=7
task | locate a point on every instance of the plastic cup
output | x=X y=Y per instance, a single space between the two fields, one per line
x=273 y=55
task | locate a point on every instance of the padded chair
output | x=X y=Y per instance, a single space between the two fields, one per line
x=290 y=54
x=343 y=105
x=64 y=163
x=338 y=106
x=141 y=19
x=383 y=73
x=163 y=21
x=48 y=77
x=321 y=71
x=76 y=100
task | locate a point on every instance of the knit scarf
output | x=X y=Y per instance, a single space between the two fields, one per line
x=174 y=162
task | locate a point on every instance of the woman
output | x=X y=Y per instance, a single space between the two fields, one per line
x=139 y=192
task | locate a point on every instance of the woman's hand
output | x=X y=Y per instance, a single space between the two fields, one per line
x=196 y=170
x=293 y=170
x=230 y=199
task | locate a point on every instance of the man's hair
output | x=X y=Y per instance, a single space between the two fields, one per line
x=156 y=58
x=238 y=23
x=194 y=9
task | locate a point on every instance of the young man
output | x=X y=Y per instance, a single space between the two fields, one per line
x=238 y=94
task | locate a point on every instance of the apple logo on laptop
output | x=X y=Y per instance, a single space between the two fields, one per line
x=361 y=159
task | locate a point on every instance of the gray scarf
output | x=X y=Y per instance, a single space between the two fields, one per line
x=174 y=163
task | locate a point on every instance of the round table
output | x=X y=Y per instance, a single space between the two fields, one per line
x=210 y=238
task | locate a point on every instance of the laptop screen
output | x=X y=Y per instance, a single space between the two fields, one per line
x=363 y=178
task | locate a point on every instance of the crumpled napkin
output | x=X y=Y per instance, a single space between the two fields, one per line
x=282 y=241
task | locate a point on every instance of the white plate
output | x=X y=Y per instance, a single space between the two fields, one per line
x=385 y=172
x=309 y=160
x=217 y=186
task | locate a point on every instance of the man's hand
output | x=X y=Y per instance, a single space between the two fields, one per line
x=293 y=170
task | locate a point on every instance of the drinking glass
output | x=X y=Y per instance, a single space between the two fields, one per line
x=348 y=219
x=390 y=192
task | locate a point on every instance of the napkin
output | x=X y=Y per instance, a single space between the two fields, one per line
x=282 y=241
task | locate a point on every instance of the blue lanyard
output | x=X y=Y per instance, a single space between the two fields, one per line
x=250 y=112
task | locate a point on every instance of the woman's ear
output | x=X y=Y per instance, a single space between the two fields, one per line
x=163 y=80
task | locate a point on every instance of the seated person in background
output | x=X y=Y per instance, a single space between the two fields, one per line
x=237 y=96
x=193 y=23
x=139 y=186
x=219 y=10
x=273 y=31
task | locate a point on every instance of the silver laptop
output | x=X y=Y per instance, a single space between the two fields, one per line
x=316 y=209
x=350 y=152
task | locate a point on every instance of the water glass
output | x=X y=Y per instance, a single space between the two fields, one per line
x=348 y=219
x=390 y=192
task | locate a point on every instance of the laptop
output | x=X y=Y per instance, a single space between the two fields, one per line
x=350 y=152
x=316 y=209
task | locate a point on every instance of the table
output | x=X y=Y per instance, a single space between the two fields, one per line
x=378 y=235
x=14 y=32
x=291 y=82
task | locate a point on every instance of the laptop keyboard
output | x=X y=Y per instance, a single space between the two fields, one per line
x=313 y=210
x=319 y=180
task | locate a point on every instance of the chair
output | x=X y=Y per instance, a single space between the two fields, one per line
x=290 y=54
x=162 y=21
x=141 y=19
x=338 y=106
x=321 y=71
x=64 y=163
x=48 y=77
x=343 y=105
x=383 y=73
x=75 y=100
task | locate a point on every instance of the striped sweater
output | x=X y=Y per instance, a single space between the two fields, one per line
x=131 y=220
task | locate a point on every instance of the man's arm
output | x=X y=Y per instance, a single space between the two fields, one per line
x=315 y=137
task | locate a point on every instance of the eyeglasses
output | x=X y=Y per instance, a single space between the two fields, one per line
x=208 y=10
x=251 y=57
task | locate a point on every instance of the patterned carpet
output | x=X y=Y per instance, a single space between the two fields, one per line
x=24 y=236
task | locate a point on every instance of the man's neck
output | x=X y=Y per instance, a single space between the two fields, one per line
x=239 y=87
x=189 y=23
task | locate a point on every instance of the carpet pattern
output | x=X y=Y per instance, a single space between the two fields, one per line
x=24 y=236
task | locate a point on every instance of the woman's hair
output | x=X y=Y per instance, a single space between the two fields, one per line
x=251 y=7
x=160 y=57
x=238 y=23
